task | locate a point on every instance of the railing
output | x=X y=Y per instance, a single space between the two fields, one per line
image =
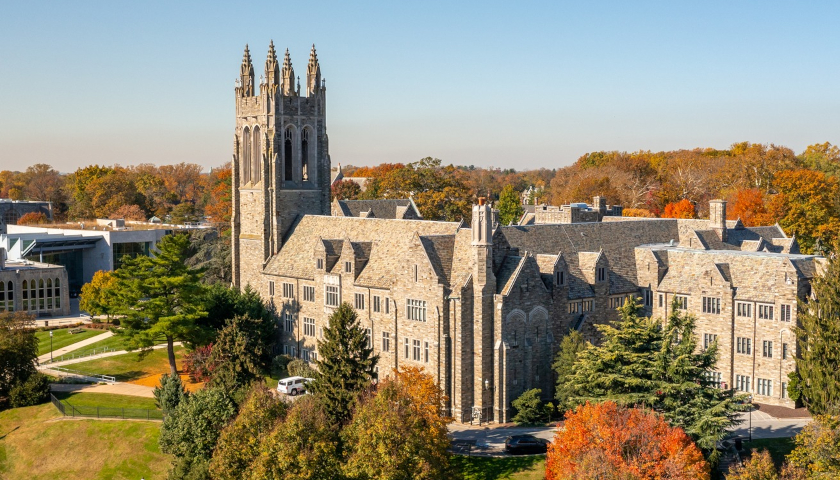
x=82 y=354
x=104 y=378
x=69 y=410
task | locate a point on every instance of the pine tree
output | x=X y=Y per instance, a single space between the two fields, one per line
x=160 y=297
x=570 y=348
x=345 y=364
x=643 y=363
x=510 y=206
x=170 y=393
x=819 y=343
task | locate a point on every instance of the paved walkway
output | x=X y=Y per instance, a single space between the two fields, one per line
x=97 y=356
x=115 y=388
x=75 y=346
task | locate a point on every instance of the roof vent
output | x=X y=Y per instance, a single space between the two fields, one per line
x=672 y=243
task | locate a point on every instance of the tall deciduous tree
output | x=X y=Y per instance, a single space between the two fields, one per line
x=806 y=206
x=399 y=432
x=819 y=343
x=345 y=364
x=509 y=205
x=682 y=209
x=609 y=441
x=642 y=362
x=160 y=297
x=817 y=449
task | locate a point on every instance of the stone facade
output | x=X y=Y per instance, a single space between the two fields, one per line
x=484 y=307
x=572 y=213
x=37 y=288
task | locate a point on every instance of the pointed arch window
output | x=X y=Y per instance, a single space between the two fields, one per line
x=288 y=168
x=57 y=293
x=256 y=157
x=41 y=294
x=2 y=296
x=304 y=153
x=49 y=294
x=246 y=156
x=25 y=291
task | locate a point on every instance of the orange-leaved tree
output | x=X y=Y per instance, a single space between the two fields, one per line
x=33 y=218
x=608 y=441
x=749 y=205
x=682 y=209
x=806 y=206
x=637 y=212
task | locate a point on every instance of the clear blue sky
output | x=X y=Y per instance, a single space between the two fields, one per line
x=507 y=84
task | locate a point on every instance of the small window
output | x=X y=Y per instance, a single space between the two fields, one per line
x=309 y=326
x=289 y=322
x=304 y=353
x=426 y=352
x=587 y=305
x=767 y=349
x=416 y=274
x=714 y=378
x=765 y=312
x=348 y=267
x=416 y=350
x=377 y=303
x=574 y=307
x=369 y=335
x=319 y=264
x=560 y=278
x=386 y=341
x=661 y=300
x=784 y=313
x=331 y=295
x=784 y=351
x=308 y=293
x=647 y=297
x=415 y=310
x=742 y=383
x=743 y=345
x=743 y=309
x=682 y=302
x=405 y=343
x=288 y=290
x=711 y=305
x=764 y=386
x=270 y=289
x=709 y=339
x=359 y=301
x=602 y=274
x=387 y=305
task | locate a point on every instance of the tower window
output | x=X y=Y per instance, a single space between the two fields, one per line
x=246 y=155
x=256 y=157
x=288 y=170
x=304 y=153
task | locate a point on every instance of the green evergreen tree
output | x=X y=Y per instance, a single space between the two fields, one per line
x=18 y=352
x=160 y=298
x=345 y=364
x=236 y=355
x=529 y=408
x=819 y=343
x=510 y=206
x=643 y=363
x=570 y=349
x=170 y=393
x=193 y=428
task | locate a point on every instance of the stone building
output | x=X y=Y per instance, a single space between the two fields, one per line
x=572 y=213
x=37 y=288
x=402 y=208
x=483 y=307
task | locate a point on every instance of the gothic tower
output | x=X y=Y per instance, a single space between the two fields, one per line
x=281 y=162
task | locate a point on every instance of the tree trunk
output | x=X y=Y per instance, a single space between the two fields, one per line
x=170 y=349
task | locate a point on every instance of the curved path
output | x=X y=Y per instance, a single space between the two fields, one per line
x=74 y=346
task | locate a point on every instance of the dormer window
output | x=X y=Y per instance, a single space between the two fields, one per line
x=348 y=267
x=601 y=274
x=319 y=263
x=559 y=278
x=416 y=275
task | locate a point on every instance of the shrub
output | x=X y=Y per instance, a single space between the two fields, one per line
x=35 y=390
x=199 y=365
x=170 y=393
x=530 y=409
x=300 y=368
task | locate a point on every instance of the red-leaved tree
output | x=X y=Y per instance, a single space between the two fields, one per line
x=607 y=441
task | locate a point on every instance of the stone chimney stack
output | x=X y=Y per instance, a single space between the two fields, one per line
x=482 y=223
x=599 y=204
x=717 y=218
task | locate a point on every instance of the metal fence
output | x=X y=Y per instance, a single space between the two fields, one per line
x=96 y=376
x=82 y=354
x=69 y=410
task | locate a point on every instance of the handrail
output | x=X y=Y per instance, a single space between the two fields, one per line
x=104 y=378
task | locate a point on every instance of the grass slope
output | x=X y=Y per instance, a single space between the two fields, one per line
x=83 y=399
x=62 y=338
x=115 y=342
x=130 y=366
x=531 y=467
x=37 y=444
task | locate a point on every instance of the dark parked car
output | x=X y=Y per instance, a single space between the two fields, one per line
x=525 y=444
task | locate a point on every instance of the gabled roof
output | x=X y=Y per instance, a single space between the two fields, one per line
x=401 y=208
x=439 y=249
x=507 y=275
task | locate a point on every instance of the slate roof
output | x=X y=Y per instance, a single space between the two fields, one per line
x=385 y=208
x=439 y=249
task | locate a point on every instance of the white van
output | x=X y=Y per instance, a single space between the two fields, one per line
x=293 y=385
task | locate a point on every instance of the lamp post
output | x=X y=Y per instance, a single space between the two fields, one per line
x=51 y=349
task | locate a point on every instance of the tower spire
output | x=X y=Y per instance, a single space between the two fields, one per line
x=313 y=73
x=246 y=74
x=272 y=68
x=287 y=76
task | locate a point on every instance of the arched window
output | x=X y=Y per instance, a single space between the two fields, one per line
x=246 y=156
x=41 y=294
x=304 y=153
x=25 y=295
x=287 y=156
x=33 y=295
x=10 y=297
x=57 y=293
x=256 y=157
x=49 y=294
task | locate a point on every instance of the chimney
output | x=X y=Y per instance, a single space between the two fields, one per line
x=717 y=218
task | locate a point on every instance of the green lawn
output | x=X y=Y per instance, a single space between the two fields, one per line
x=130 y=366
x=116 y=342
x=83 y=399
x=531 y=467
x=62 y=338
x=37 y=445
x=778 y=448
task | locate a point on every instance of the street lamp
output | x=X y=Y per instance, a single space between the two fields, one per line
x=51 y=349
